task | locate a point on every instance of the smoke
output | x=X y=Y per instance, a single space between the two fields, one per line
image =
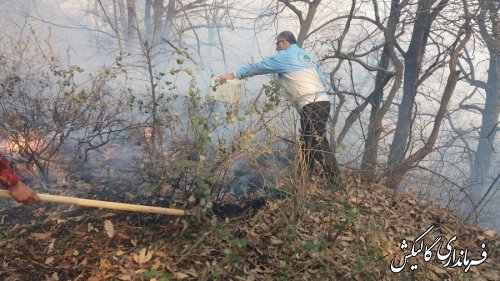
x=70 y=35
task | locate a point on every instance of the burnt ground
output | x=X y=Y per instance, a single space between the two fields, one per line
x=312 y=234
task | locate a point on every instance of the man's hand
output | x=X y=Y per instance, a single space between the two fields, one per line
x=223 y=78
x=23 y=194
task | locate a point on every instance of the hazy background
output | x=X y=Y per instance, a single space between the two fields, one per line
x=215 y=37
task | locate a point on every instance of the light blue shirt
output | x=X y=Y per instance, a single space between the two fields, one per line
x=298 y=71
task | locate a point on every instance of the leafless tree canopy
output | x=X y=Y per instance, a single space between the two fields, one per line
x=414 y=83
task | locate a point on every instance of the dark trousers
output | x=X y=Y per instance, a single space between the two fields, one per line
x=314 y=145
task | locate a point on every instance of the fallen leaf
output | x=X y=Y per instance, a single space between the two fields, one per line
x=276 y=242
x=411 y=202
x=490 y=233
x=143 y=256
x=180 y=275
x=193 y=272
x=119 y=253
x=412 y=192
x=110 y=229
x=41 y=236
x=108 y=215
x=77 y=218
x=49 y=260
x=161 y=254
x=51 y=246
x=91 y=228
x=53 y=277
x=491 y=275
x=105 y=264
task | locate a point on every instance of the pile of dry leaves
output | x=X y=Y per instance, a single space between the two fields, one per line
x=352 y=234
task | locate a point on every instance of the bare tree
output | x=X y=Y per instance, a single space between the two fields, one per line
x=305 y=22
x=132 y=27
x=122 y=8
x=370 y=154
x=147 y=19
x=157 y=20
x=489 y=29
x=42 y=110
x=395 y=173
x=390 y=71
x=170 y=16
x=413 y=58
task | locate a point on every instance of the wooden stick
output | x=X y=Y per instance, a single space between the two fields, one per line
x=103 y=204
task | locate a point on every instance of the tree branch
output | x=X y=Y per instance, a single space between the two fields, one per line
x=362 y=63
x=462 y=104
x=395 y=174
x=357 y=111
x=293 y=8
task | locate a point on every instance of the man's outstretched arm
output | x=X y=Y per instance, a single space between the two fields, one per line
x=19 y=191
x=272 y=64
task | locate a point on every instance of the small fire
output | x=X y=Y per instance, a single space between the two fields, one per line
x=148 y=132
x=20 y=145
x=158 y=134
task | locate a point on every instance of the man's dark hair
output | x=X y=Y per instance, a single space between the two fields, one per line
x=288 y=36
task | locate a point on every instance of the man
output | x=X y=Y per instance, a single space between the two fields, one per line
x=19 y=191
x=305 y=87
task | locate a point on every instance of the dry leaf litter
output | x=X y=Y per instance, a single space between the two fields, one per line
x=352 y=234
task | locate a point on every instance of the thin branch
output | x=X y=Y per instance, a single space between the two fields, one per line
x=357 y=111
x=484 y=196
x=471 y=77
x=294 y=9
x=470 y=107
x=362 y=63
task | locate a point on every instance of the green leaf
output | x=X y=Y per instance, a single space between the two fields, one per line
x=224 y=232
x=239 y=242
x=235 y=257
x=358 y=266
x=150 y=274
x=342 y=145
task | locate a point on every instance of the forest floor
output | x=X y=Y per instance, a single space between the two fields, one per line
x=352 y=234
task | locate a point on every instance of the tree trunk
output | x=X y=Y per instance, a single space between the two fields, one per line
x=395 y=174
x=490 y=115
x=370 y=153
x=369 y=162
x=305 y=24
x=491 y=111
x=157 y=20
x=413 y=64
x=147 y=19
x=170 y=18
x=132 y=20
x=123 y=18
